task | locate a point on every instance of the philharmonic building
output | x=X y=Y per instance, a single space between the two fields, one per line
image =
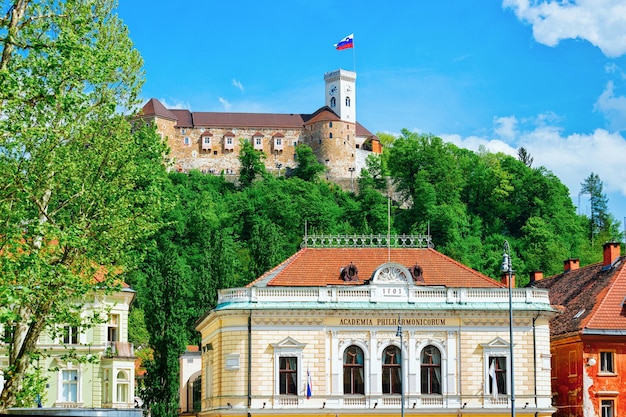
x=210 y=141
x=371 y=325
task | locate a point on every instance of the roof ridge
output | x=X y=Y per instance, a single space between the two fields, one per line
x=467 y=268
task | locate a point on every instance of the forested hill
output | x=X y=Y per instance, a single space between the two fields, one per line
x=219 y=234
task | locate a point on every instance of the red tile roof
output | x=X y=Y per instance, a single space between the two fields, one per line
x=154 y=108
x=186 y=118
x=591 y=298
x=322 y=266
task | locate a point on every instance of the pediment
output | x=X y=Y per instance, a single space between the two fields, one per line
x=497 y=343
x=392 y=273
x=288 y=343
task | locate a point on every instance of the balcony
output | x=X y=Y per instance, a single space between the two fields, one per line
x=119 y=350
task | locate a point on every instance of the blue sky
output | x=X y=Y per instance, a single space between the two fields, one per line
x=548 y=76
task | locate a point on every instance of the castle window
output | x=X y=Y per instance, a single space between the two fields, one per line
x=186 y=141
x=330 y=124
x=331 y=135
x=333 y=102
x=347 y=101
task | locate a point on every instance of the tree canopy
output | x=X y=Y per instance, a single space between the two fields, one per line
x=78 y=186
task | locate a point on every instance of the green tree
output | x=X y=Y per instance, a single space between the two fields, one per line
x=601 y=222
x=251 y=162
x=78 y=188
x=308 y=168
x=168 y=281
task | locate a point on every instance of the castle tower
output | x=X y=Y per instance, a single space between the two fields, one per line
x=341 y=94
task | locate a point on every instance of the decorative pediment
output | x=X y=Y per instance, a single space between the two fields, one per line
x=392 y=273
x=288 y=343
x=497 y=343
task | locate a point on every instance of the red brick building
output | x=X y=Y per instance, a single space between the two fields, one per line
x=588 y=338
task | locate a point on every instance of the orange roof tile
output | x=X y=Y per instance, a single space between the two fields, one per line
x=322 y=267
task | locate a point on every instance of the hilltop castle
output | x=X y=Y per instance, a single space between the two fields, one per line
x=210 y=141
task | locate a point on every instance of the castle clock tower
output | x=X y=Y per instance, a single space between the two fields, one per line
x=341 y=94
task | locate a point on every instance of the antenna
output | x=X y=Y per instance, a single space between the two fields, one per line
x=388 y=221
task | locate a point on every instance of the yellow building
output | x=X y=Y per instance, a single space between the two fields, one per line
x=107 y=378
x=352 y=326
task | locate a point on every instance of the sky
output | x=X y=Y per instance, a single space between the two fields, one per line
x=549 y=76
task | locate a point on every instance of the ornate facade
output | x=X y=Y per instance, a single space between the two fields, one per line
x=211 y=141
x=362 y=326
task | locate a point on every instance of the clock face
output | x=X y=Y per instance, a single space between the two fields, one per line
x=332 y=90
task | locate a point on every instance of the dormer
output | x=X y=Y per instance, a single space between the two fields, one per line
x=229 y=141
x=205 y=139
x=257 y=141
x=279 y=140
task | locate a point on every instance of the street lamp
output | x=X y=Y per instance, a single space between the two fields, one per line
x=399 y=334
x=506 y=268
x=351 y=169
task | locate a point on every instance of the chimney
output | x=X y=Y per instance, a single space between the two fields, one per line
x=505 y=279
x=611 y=253
x=571 y=264
x=536 y=276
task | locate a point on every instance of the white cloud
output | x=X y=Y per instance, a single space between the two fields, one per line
x=225 y=103
x=174 y=104
x=613 y=107
x=238 y=84
x=505 y=126
x=600 y=22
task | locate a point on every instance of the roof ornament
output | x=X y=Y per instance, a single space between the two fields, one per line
x=350 y=273
x=417 y=273
x=367 y=241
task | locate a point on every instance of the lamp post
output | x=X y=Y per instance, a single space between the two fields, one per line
x=351 y=169
x=506 y=268
x=399 y=334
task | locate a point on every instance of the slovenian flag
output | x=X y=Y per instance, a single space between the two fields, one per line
x=345 y=43
x=309 y=385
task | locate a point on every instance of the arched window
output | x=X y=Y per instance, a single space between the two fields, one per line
x=347 y=101
x=333 y=102
x=331 y=135
x=430 y=364
x=122 y=387
x=392 y=382
x=353 y=371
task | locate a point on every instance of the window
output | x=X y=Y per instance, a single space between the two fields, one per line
x=279 y=141
x=353 y=371
x=430 y=363
x=122 y=387
x=606 y=362
x=347 y=101
x=608 y=408
x=70 y=335
x=333 y=102
x=69 y=386
x=497 y=375
x=330 y=135
x=112 y=333
x=186 y=141
x=330 y=124
x=288 y=378
x=392 y=383
x=257 y=141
